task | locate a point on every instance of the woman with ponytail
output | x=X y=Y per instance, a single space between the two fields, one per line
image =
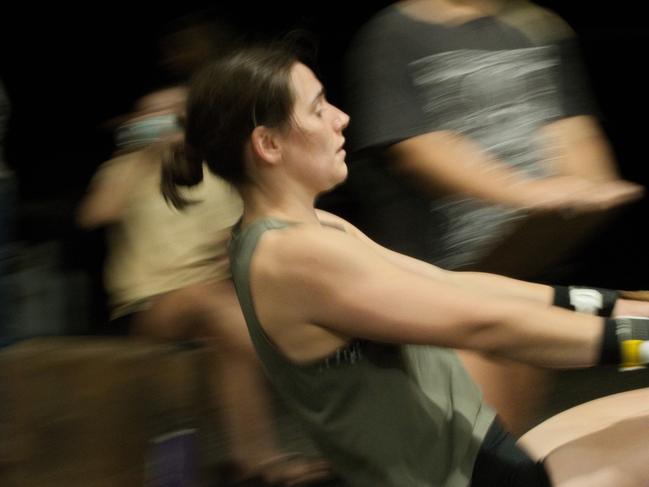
x=338 y=321
x=167 y=275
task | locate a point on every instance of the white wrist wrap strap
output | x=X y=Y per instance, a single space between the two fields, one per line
x=586 y=300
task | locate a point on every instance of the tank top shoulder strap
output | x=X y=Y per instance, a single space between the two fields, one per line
x=242 y=247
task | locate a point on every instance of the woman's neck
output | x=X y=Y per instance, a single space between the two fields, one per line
x=283 y=205
x=449 y=12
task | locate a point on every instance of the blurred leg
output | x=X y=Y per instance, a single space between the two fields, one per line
x=516 y=391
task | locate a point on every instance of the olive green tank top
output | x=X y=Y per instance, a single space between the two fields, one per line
x=383 y=415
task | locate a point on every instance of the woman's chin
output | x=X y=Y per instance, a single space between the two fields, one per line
x=342 y=175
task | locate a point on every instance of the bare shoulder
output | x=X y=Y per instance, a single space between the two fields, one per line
x=309 y=252
x=304 y=242
x=330 y=219
x=335 y=221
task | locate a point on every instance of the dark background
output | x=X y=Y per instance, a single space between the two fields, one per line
x=68 y=70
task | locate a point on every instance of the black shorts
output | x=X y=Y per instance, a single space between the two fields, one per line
x=500 y=462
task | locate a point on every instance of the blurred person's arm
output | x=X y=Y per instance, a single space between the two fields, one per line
x=582 y=149
x=112 y=187
x=447 y=163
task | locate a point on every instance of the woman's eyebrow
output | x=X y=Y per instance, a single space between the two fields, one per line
x=317 y=98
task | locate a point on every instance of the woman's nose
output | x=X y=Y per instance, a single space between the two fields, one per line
x=342 y=120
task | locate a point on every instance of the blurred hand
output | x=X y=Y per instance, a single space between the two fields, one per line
x=576 y=195
x=629 y=307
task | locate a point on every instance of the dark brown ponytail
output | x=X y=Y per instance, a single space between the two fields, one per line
x=227 y=99
x=181 y=166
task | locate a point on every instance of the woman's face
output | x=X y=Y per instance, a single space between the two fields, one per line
x=313 y=145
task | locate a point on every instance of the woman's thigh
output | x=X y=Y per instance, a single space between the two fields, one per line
x=599 y=443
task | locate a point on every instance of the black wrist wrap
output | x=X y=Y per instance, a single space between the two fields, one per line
x=610 y=353
x=568 y=298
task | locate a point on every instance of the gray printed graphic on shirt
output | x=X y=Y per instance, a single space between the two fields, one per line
x=500 y=100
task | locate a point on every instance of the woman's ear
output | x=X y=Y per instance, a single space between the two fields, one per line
x=265 y=144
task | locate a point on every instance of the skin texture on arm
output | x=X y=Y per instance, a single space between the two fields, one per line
x=491 y=284
x=309 y=276
x=485 y=283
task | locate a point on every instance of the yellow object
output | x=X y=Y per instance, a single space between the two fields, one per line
x=631 y=353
